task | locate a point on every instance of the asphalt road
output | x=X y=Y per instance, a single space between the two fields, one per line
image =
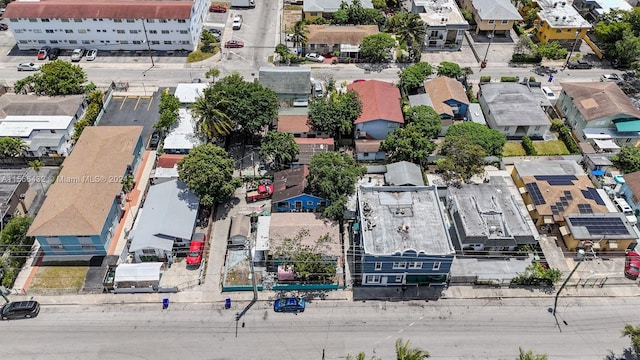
x=448 y=329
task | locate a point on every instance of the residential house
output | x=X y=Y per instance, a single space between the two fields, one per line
x=114 y=25
x=609 y=231
x=600 y=111
x=343 y=39
x=514 y=109
x=593 y=9
x=369 y=150
x=597 y=164
x=490 y=217
x=288 y=82
x=444 y=24
x=381 y=111
x=401 y=238
x=559 y=21
x=631 y=190
x=45 y=124
x=290 y=192
x=166 y=168
x=315 y=9
x=299 y=126
x=189 y=93
x=554 y=190
x=403 y=173
x=166 y=220
x=495 y=17
x=182 y=137
x=85 y=203
x=309 y=147
x=448 y=98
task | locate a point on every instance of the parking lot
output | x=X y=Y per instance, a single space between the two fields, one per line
x=133 y=110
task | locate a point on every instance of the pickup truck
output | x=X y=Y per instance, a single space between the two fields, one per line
x=264 y=191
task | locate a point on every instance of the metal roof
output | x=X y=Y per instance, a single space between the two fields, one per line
x=403 y=173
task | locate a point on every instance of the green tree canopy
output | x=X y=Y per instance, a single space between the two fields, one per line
x=412 y=77
x=551 y=50
x=404 y=351
x=211 y=114
x=335 y=113
x=462 y=160
x=408 y=144
x=14 y=231
x=628 y=159
x=530 y=355
x=308 y=261
x=299 y=32
x=249 y=105
x=626 y=49
x=12 y=147
x=279 y=147
x=333 y=176
x=208 y=172
x=283 y=51
x=377 y=47
x=450 y=69
x=633 y=332
x=426 y=119
x=409 y=29
x=357 y=15
x=168 y=109
x=55 y=78
x=490 y=140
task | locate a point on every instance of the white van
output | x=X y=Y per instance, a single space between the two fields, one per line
x=623 y=207
x=318 y=90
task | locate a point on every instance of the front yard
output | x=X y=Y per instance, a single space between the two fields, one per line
x=59 y=279
x=543 y=148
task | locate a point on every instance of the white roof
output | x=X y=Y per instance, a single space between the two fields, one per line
x=605 y=6
x=606 y=144
x=561 y=14
x=138 y=272
x=164 y=173
x=23 y=126
x=189 y=93
x=439 y=12
x=183 y=136
x=262 y=235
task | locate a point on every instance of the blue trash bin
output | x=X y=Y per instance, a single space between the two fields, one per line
x=165 y=303
x=227 y=303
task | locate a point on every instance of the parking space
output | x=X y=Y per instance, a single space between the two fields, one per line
x=133 y=110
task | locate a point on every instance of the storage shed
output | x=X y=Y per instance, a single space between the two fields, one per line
x=143 y=277
x=240 y=230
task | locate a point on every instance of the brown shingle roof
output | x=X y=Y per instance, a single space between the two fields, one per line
x=380 y=101
x=308 y=147
x=596 y=100
x=332 y=34
x=633 y=181
x=294 y=124
x=444 y=88
x=366 y=146
x=21 y=105
x=168 y=161
x=80 y=199
x=100 y=9
x=289 y=183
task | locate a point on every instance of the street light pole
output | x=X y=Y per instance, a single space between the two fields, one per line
x=575 y=41
x=493 y=34
x=146 y=37
x=580 y=259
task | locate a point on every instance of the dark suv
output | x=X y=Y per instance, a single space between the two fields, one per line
x=20 y=309
x=579 y=64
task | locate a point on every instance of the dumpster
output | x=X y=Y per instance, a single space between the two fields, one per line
x=227 y=303
x=165 y=303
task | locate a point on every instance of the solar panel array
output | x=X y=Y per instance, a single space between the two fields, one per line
x=592 y=193
x=568 y=195
x=557 y=180
x=535 y=193
x=601 y=226
x=585 y=209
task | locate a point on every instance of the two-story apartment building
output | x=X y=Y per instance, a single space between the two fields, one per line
x=599 y=111
x=559 y=21
x=444 y=23
x=107 y=25
x=593 y=9
x=401 y=238
x=494 y=17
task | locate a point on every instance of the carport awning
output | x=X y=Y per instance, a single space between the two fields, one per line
x=138 y=272
x=606 y=144
x=626 y=126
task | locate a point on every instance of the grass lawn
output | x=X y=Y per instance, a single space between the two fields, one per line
x=551 y=147
x=513 y=148
x=69 y=278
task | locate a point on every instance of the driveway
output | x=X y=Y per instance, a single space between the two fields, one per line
x=133 y=110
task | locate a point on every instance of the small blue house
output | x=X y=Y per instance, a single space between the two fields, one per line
x=85 y=204
x=401 y=237
x=289 y=193
x=448 y=97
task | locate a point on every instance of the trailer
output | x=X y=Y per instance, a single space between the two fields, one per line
x=243 y=3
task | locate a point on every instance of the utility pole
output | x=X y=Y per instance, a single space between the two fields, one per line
x=493 y=34
x=575 y=41
x=580 y=259
x=146 y=37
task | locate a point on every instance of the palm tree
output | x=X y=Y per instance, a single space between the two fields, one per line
x=530 y=355
x=633 y=332
x=36 y=165
x=211 y=119
x=212 y=73
x=408 y=27
x=405 y=352
x=299 y=32
x=362 y=356
x=128 y=182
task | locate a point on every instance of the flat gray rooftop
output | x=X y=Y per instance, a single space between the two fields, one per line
x=395 y=219
x=513 y=104
x=548 y=167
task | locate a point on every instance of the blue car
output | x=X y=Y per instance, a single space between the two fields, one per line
x=293 y=305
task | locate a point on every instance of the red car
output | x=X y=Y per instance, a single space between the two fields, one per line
x=194 y=256
x=358 y=80
x=43 y=53
x=632 y=265
x=217 y=9
x=234 y=44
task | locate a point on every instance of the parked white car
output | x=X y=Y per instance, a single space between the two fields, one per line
x=28 y=66
x=314 y=57
x=77 y=54
x=92 y=54
x=610 y=78
x=237 y=22
x=551 y=96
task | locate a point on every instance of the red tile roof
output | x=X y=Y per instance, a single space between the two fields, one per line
x=380 y=101
x=100 y=9
x=294 y=124
x=303 y=141
x=168 y=161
